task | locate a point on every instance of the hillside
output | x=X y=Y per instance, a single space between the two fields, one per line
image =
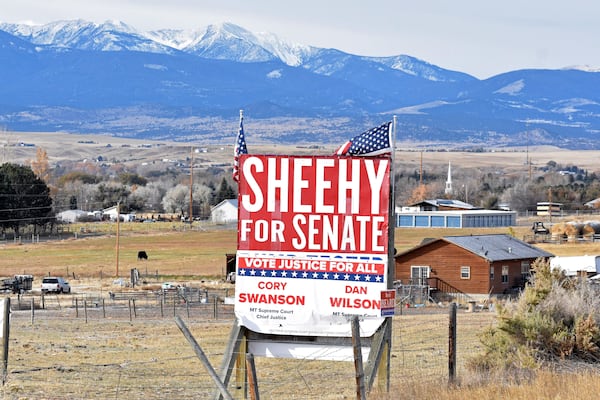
x=22 y=146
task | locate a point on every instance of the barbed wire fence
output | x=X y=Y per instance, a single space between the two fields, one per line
x=66 y=351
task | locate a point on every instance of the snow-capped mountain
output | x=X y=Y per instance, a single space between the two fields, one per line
x=86 y=77
x=84 y=35
x=224 y=41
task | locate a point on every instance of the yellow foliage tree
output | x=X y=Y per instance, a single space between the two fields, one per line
x=40 y=166
x=419 y=193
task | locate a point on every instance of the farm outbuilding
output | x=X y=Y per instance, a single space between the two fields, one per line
x=474 y=265
x=225 y=212
x=71 y=216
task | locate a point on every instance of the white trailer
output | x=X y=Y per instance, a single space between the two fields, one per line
x=575 y=265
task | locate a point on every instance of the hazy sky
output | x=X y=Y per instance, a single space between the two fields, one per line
x=479 y=37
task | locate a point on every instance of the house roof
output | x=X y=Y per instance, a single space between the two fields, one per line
x=497 y=247
x=593 y=203
x=446 y=203
x=232 y=202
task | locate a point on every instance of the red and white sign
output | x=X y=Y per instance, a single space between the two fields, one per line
x=312 y=243
x=388 y=303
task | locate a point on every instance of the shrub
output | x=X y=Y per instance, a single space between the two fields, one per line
x=555 y=318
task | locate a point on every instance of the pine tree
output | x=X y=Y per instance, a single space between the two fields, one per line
x=25 y=198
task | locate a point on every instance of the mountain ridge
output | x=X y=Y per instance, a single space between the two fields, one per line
x=70 y=75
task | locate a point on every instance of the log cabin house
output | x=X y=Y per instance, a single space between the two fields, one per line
x=471 y=267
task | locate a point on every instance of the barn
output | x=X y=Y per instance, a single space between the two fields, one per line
x=71 y=216
x=225 y=212
x=474 y=265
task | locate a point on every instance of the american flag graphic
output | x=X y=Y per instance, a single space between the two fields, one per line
x=240 y=148
x=373 y=142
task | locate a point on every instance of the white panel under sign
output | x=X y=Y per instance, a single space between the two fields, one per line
x=304 y=351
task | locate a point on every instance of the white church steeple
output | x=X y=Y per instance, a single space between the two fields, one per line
x=448 y=189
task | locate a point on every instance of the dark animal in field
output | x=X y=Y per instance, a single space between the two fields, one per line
x=142 y=255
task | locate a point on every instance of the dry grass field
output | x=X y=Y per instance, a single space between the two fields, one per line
x=62 y=356
x=59 y=355
x=178 y=253
x=133 y=152
x=174 y=250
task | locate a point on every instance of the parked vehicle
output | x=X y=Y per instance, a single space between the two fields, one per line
x=17 y=284
x=55 y=284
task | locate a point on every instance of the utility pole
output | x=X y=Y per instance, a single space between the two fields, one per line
x=117 y=245
x=550 y=204
x=191 y=184
x=421 y=170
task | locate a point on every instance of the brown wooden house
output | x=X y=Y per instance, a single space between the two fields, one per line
x=472 y=265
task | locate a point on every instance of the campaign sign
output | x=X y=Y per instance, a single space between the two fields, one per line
x=388 y=303
x=312 y=243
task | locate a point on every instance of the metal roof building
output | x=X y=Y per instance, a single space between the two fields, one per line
x=498 y=247
x=455 y=219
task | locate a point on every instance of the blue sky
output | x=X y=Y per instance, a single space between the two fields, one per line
x=482 y=38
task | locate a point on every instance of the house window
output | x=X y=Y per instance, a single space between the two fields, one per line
x=505 y=274
x=525 y=270
x=491 y=273
x=465 y=272
x=419 y=274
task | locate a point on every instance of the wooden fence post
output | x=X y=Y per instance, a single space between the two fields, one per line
x=358 y=363
x=252 y=379
x=200 y=354
x=215 y=308
x=452 y=345
x=32 y=310
x=130 y=313
x=5 y=334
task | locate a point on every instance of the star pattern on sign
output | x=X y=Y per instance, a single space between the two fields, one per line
x=326 y=276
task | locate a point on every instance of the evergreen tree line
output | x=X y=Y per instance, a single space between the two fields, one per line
x=28 y=200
